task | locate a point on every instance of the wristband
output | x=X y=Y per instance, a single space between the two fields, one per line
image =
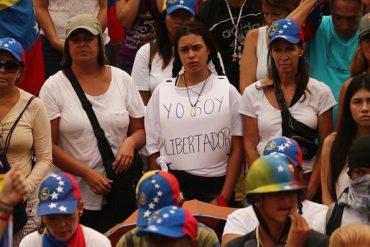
x=5 y=217
x=221 y=201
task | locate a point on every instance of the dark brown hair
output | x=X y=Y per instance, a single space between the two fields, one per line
x=197 y=28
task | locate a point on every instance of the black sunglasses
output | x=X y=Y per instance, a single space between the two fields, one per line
x=9 y=66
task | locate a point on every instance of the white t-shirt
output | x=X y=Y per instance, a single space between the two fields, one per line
x=62 y=10
x=148 y=80
x=244 y=220
x=261 y=53
x=113 y=109
x=254 y=104
x=154 y=128
x=92 y=239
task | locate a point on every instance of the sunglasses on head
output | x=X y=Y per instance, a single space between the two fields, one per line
x=9 y=66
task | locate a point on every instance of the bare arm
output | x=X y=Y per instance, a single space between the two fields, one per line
x=136 y=139
x=127 y=11
x=103 y=13
x=248 y=62
x=99 y=183
x=152 y=165
x=325 y=127
x=160 y=4
x=145 y=95
x=228 y=237
x=302 y=11
x=14 y=187
x=44 y=19
x=324 y=169
x=250 y=139
x=234 y=166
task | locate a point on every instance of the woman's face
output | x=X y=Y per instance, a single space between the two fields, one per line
x=83 y=46
x=286 y=56
x=360 y=107
x=271 y=14
x=365 y=46
x=175 y=20
x=62 y=227
x=193 y=53
x=10 y=70
x=275 y=207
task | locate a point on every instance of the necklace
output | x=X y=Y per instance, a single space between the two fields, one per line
x=235 y=56
x=193 y=109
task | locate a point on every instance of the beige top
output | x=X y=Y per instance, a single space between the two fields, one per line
x=33 y=129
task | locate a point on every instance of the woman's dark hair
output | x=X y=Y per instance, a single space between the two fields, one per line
x=162 y=43
x=359 y=62
x=346 y=132
x=197 y=28
x=67 y=59
x=301 y=77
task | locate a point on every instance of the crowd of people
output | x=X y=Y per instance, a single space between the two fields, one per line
x=258 y=105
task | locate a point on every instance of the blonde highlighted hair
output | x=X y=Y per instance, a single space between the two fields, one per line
x=351 y=235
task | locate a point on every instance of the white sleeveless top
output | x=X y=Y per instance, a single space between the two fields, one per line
x=262 y=51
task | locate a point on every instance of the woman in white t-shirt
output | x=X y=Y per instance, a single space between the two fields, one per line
x=119 y=111
x=193 y=121
x=153 y=61
x=254 y=58
x=308 y=100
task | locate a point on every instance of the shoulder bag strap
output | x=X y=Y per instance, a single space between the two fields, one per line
x=285 y=114
x=103 y=144
x=8 y=137
x=335 y=219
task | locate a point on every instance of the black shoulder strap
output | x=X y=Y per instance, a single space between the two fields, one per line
x=151 y=55
x=8 y=137
x=103 y=144
x=281 y=100
x=335 y=219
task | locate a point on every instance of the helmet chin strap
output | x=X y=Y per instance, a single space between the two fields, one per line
x=286 y=224
x=265 y=227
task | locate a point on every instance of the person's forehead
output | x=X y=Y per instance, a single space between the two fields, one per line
x=346 y=8
x=7 y=55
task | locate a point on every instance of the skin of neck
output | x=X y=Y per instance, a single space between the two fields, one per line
x=287 y=80
x=7 y=93
x=196 y=77
x=86 y=69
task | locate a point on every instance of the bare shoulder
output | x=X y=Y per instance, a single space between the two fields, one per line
x=252 y=36
x=330 y=139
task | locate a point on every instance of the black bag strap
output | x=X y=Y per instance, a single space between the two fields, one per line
x=9 y=136
x=151 y=54
x=285 y=114
x=335 y=219
x=103 y=144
